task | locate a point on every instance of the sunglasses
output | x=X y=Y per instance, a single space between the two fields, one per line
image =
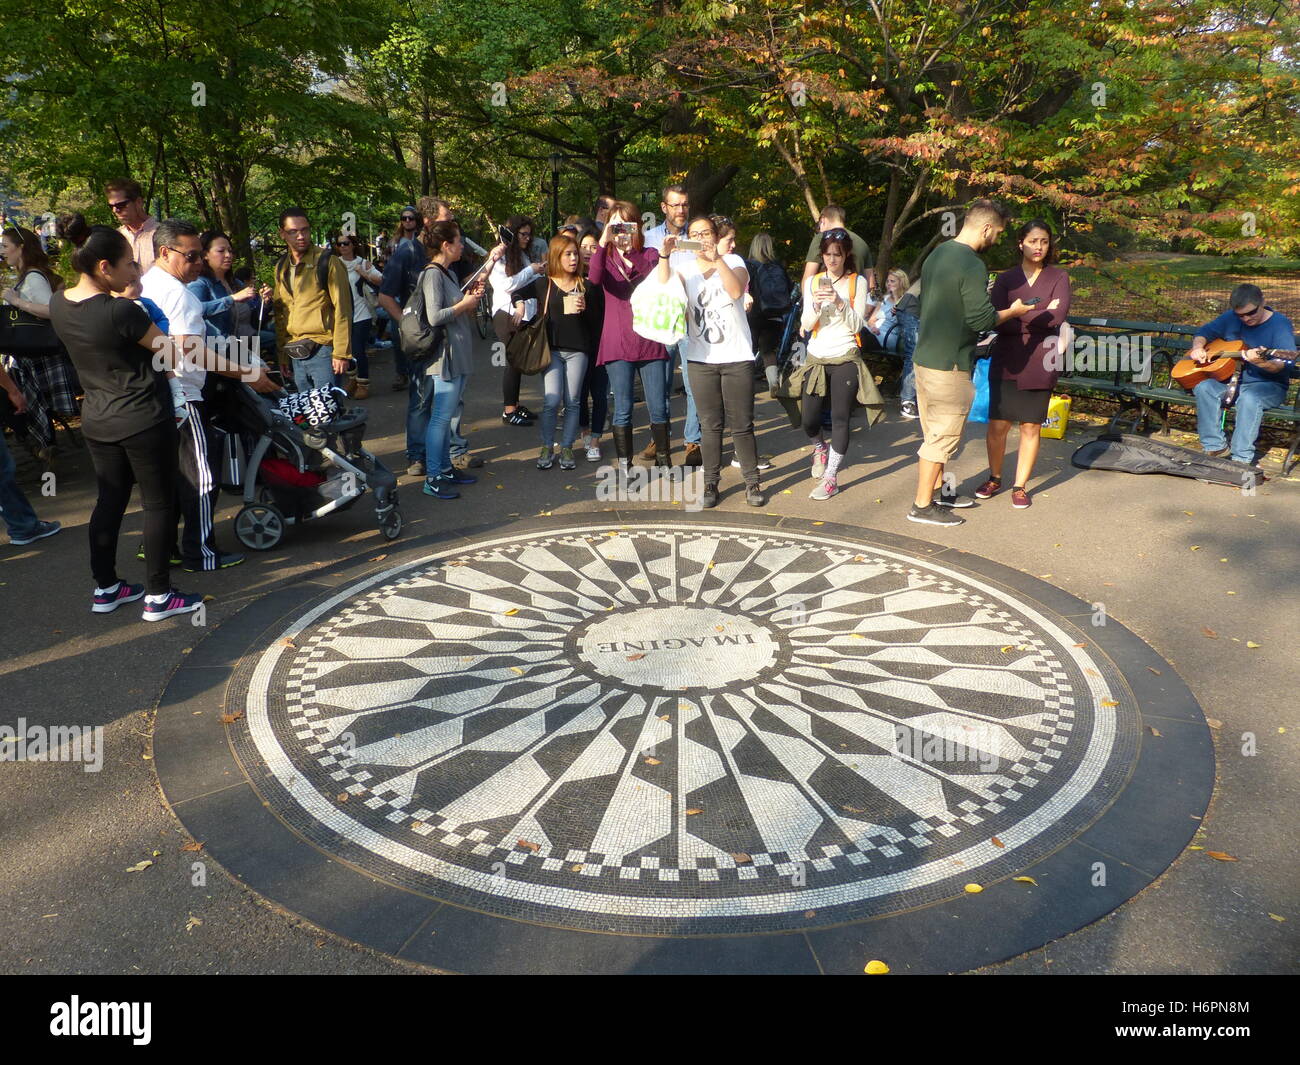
x=345 y=243
x=836 y=234
x=1247 y=314
x=188 y=256
x=408 y=218
x=121 y=205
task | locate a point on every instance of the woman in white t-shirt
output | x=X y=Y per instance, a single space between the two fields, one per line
x=719 y=352
x=835 y=310
x=360 y=271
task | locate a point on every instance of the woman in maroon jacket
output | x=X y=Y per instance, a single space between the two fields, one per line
x=620 y=264
x=1026 y=362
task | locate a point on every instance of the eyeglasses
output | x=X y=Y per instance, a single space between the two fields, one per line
x=701 y=234
x=188 y=256
x=121 y=205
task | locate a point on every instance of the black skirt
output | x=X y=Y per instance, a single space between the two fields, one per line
x=1008 y=402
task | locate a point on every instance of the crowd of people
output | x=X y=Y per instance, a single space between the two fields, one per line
x=158 y=312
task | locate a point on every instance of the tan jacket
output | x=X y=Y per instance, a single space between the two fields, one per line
x=304 y=311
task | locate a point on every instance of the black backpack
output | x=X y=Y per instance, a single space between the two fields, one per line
x=322 y=267
x=771 y=288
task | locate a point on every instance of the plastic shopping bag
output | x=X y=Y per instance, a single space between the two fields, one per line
x=659 y=310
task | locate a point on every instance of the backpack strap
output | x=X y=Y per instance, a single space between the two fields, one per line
x=323 y=267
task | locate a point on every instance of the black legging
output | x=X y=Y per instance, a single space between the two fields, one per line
x=842 y=383
x=148 y=459
x=504 y=326
x=725 y=391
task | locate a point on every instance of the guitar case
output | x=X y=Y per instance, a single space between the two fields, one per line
x=1131 y=453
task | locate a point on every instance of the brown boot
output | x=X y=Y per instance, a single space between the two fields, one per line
x=692 y=456
x=351 y=385
x=651 y=449
x=362 y=390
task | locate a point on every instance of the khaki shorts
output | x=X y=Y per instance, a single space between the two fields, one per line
x=943 y=398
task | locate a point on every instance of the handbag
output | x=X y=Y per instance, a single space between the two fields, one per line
x=979 y=408
x=529 y=352
x=659 y=310
x=25 y=334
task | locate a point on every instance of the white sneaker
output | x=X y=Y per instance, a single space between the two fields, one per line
x=593 y=450
x=764 y=462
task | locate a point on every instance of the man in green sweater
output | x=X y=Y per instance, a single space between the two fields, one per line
x=955 y=309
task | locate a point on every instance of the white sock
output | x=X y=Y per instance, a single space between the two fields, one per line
x=108 y=591
x=158 y=598
x=833 y=463
x=770 y=372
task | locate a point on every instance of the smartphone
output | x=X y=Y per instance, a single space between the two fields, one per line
x=619 y=228
x=1033 y=302
x=826 y=284
x=689 y=245
x=505 y=236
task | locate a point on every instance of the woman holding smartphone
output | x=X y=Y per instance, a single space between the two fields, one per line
x=835 y=311
x=719 y=351
x=445 y=305
x=620 y=263
x=1020 y=379
x=510 y=274
x=562 y=296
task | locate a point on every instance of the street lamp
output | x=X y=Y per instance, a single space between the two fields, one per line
x=556 y=159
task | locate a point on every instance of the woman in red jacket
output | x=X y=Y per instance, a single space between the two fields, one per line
x=1025 y=359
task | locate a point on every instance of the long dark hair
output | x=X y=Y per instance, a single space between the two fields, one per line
x=839 y=236
x=1038 y=223
x=103 y=242
x=206 y=240
x=515 y=260
x=31 y=256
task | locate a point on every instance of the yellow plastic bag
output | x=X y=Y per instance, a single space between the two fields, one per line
x=1058 y=418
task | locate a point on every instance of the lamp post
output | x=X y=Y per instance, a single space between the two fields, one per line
x=556 y=158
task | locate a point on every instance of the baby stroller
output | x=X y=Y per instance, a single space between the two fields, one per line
x=296 y=473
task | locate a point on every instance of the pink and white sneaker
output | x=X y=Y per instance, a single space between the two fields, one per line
x=107 y=602
x=825 y=489
x=175 y=603
x=820 y=453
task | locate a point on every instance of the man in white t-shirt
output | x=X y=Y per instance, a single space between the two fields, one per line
x=179 y=259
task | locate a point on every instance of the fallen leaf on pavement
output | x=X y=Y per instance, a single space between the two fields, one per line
x=636 y=657
x=1219 y=856
x=741 y=858
x=512 y=612
x=379 y=558
x=653 y=761
x=1210 y=633
x=1276 y=917
x=230 y=719
x=876 y=968
x=1155 y=671
x=973 y=889
x=1214 y=722
x=192 y=924
x=1025 y=880
x=529 y=845
x=997 y=842
x=1252 y=644
x=140 y=867
x=693 y=811
x=192 y=845
x=342 y=796
x=288 y=642
x=1153 y=730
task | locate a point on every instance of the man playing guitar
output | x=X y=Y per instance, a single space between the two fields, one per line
x=1264 y=379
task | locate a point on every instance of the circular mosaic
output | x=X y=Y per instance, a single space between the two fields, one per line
x=684 y=729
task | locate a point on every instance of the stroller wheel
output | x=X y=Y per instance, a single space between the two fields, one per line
x=391 y=526
x=259 y=527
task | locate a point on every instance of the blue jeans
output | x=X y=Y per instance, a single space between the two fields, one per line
x=437 y=440
x=906 y=334
x=361 y=341
x=14 y=508
x=655 y=376
x=316 y=372
x=691 y=432
x=562 y=381
x=419 y=404
x=1255 y=398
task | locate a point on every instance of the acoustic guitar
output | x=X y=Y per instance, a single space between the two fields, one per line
x=1187 y=373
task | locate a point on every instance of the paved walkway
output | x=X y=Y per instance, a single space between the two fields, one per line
x=1172 y=560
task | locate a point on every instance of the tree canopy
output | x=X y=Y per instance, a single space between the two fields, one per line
x=1164 y=123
